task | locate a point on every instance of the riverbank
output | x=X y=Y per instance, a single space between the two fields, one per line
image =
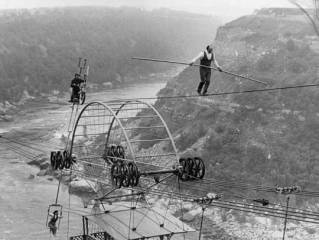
x=27 y=190
x=10 y=111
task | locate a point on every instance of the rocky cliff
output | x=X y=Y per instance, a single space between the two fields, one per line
x=266 y=138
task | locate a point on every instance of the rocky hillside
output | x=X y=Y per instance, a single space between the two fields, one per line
x=39 y=48
x=267 y=138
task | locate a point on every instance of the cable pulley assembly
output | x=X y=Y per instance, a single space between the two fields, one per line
x=208 y=199
x=191 y=169
x=127 y=174
x=288 y=190
x=114 y=153
x=263 y=201
x=61 y=160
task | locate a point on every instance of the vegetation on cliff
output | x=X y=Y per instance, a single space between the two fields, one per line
x=267 y=138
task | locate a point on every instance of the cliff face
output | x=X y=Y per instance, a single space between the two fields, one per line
x=267 y=138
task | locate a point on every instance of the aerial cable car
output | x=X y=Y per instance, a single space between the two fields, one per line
x=54 y=218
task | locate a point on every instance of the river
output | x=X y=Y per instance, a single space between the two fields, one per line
x=25 y=197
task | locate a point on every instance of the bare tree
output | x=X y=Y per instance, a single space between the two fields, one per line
x=313 y=19
x=316 y=5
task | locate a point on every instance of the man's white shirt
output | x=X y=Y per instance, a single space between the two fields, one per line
x=210 y=56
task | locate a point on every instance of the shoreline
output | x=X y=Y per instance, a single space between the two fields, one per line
x=8 y=111
x=42 y=131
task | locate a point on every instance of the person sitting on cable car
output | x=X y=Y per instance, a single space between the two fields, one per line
x=53 y=222
x=206 y=58
x=75 y=84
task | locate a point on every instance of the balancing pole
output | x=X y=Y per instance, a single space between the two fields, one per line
x=198 y=65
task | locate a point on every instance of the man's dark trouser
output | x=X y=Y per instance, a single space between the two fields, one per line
x=75 y=92
x=53 y=228
x=205 y=74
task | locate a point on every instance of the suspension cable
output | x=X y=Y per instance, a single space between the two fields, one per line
x=293 y=215
x=58 y=190
x=221 y=93
x=257 y=209
x=24 y=144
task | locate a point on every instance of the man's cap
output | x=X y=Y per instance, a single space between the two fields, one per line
x=209 y=46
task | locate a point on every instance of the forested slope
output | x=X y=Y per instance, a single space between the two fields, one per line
x=39 y=48
x=266 y=138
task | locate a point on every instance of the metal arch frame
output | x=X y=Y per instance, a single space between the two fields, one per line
x=156 y=112
x=165 y=125
x=111 y=125
x=114 y=118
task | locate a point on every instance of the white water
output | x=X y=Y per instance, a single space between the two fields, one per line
x=24 y=201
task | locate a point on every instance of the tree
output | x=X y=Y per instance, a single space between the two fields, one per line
x=313 y=19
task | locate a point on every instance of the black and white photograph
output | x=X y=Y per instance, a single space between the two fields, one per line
x=159 y=120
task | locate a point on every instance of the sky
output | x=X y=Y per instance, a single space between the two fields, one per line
x=225 y=8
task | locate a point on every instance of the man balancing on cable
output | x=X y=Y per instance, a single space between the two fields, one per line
x=75 y=84
x=206 y=57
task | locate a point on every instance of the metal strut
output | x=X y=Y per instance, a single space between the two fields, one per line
x=63 y=159
x=127 y=174
x=205 y=201
x=286 y=216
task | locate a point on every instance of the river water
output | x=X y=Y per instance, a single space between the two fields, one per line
x=24 y=197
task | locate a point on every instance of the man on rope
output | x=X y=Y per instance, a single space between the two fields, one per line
x=206 y=58
x=53 y=221
x=75 y=84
